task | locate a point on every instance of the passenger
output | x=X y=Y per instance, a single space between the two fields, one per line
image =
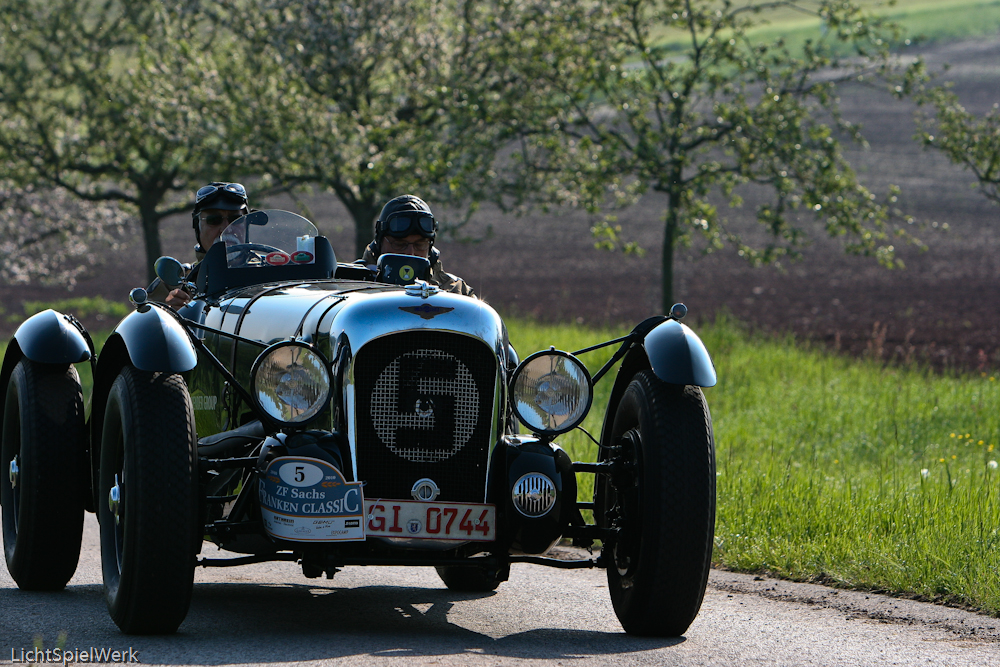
x=215 y=206
x=406 y=226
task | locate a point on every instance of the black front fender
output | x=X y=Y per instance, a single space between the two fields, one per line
x=48 y=337
x=157 y=341
x=151 y=340
x=678 y=356
x=52 y=338
x=674 y=353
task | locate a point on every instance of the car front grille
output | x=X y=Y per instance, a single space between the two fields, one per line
x=424 y=408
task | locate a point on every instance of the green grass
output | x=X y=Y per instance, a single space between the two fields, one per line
x=841 y=471
x=922 y=21
x=835 y=470
x=849 y=472
x=85 y=306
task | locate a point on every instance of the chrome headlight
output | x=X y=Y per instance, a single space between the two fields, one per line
x=290 y=382
x=551 y=392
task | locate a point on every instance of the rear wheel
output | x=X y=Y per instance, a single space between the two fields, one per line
x=147 y=501
x=41 y=474
x=662 y=498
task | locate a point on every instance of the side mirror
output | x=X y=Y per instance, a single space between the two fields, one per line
x=169 y=270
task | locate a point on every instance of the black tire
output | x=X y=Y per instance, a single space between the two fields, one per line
x=664 y=501
x=148 y=452
x=470 y=579
x=43 y=434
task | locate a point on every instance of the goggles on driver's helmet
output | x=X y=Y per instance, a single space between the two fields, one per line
x=210 y=189
x=405 y=223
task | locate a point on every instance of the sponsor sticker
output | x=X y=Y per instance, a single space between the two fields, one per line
x=204 y=402
x=277 y=258
x=308 y=500
x=302 y=257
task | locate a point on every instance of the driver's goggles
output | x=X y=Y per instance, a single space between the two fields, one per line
x=210 y=189
x=215 y=219
x=404 y=224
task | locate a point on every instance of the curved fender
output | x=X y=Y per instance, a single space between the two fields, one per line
x=156 y=341
x=678 y=356
x=50 y=338
x=674 y=353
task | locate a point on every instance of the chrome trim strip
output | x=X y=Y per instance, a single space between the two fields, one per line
x=352 y=429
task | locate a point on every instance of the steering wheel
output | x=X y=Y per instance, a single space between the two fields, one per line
x=249 y=253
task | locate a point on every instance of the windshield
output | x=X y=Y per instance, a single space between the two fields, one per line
x=269 y=238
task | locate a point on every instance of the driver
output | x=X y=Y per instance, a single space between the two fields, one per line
x=215 y=206
x=406 y=226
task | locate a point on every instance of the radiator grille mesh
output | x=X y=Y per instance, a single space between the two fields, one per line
x=424 y=409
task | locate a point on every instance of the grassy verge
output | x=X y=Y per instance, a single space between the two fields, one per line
x=845 y=471
x=842 y=471
x=96 y=307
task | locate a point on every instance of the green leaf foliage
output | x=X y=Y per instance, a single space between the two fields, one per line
x=369 y=99
x=611 y=110
x=970 y=141
x=119 y=101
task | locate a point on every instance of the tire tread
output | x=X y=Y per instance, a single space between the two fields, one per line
x=678 y=487
x=161 y=487
x=44 y=552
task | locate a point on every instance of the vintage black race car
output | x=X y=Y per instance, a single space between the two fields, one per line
x=333 y=415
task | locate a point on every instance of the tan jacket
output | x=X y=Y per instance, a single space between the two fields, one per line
x=446 y=281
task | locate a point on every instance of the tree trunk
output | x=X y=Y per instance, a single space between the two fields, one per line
x=669 y=236
x=150 y=234
x=364 y=215
x=667 y=262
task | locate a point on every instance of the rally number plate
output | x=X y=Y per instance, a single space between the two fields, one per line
x=431 y=521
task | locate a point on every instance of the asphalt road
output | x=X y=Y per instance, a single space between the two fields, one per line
x=269 y=614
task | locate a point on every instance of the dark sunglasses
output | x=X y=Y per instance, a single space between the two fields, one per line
x=210 y=189
x=400 y=246
x=215 y=219
x=404 y=224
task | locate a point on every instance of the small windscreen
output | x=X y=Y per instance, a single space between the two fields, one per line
x=269 y=238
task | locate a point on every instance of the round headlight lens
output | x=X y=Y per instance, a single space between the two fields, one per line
x=291 y=382
x=551 y=392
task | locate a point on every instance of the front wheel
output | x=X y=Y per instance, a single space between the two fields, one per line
x=662 y=499
x=42 y=475
x=147 y=502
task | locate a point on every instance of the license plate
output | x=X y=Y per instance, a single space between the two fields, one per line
x=473 y=522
